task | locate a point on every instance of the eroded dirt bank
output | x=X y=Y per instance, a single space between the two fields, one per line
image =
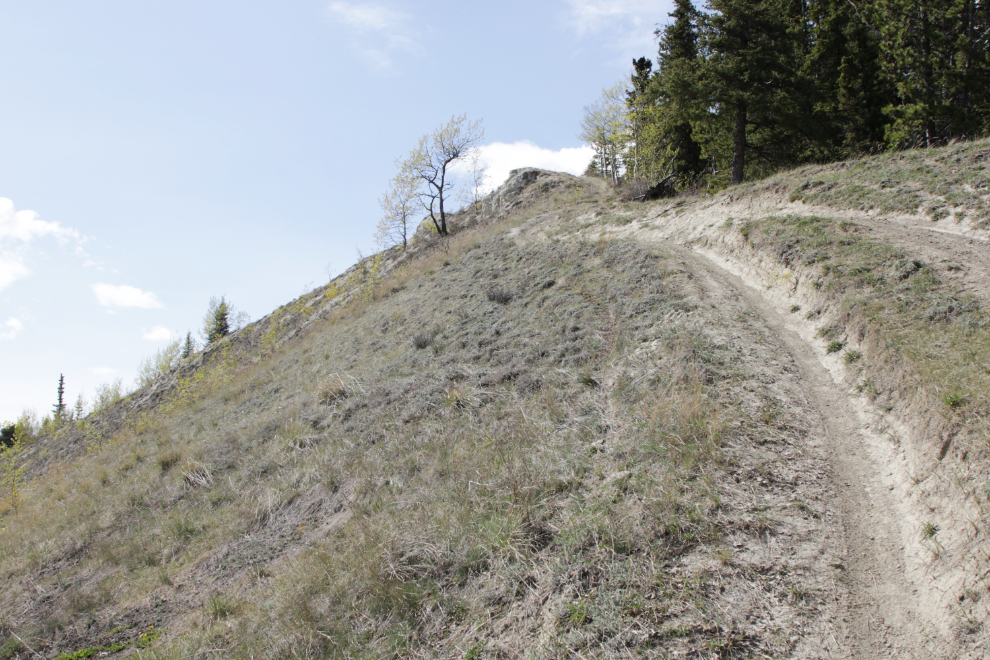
x=901 y=592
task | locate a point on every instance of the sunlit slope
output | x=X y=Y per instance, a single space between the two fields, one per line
x=498 y=448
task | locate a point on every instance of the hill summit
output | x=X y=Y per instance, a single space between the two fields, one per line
x=745 y=425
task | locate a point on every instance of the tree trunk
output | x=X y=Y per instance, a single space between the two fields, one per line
x=443 y=216
x=739 y=144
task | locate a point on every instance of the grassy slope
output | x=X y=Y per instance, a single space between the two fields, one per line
x=508 y=450
x=488 y=451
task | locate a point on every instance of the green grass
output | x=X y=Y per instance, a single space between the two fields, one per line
x=898 y=306
x=933 y=182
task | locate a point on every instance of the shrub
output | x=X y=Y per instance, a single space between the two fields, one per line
x=499 y=295
x=160 y=363
x=424 y=339
x=108 y=394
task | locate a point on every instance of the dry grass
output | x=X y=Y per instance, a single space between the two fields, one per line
x=322 y=488
x=916 y=328
x=940 y=183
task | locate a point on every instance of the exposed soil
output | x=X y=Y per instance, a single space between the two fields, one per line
x=889 y=601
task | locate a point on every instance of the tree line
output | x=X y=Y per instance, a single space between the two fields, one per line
x=744 y=87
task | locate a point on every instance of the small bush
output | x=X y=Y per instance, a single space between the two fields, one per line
x=834 y=346
x=423 y=340
x=331 y=391
x=219 y=607
x=795 y=309
x=953 y=399
x=168 y=460
x=852 y=357
x=588 y=380
x=499 y=295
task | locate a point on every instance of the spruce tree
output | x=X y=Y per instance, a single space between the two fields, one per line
x=217 y=322
x=844 y=61
x=935 y=54
x=679 y=94
x=58 y=412
x=753 y=73
x=189 y=346
x=638 y=101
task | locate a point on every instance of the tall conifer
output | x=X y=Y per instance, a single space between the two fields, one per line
x=753 y=72
x=680 y=98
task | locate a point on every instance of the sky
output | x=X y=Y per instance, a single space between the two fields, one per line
x=154 y=154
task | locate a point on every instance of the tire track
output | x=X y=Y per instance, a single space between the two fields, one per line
x=881 y=615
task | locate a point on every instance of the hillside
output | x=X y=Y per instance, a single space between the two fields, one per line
x=740 y=426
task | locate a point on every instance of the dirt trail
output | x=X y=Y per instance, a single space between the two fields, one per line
x=889 y=605
x=879 y=613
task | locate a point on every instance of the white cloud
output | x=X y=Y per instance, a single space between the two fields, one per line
x=158 y=333
x=625 y=26
x=11 y=270
x=25 y=225
x=379 y=30
x=370 y=17
x=501 y=158
x=12 y=327
x=125 y=296
x=17 y=231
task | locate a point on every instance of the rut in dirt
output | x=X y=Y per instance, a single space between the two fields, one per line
x=877 y=614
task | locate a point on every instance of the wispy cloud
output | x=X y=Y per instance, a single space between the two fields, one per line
x=26 y=225
x=378 y=31
x=11 y=269
x=625 y=26
x=18 y=230
x=159 y=333
x=501 y=158
x=10 y=329
x=109 y=295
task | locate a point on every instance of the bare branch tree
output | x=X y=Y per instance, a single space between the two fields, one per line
x=431 y=161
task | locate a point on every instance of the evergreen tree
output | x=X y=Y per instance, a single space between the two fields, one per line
x=753 y=72
x=844 y=62
x=189 y=346
x=8 y=433
x=216 y=324
x=638 y=100
x=58 y=412
x=935 y=54
x=679 y=96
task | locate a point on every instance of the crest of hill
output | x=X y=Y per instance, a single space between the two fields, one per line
x=558 y=432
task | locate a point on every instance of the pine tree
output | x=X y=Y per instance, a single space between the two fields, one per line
x=638 y=100
x=935 y=54
x=844 y=61
x=753 y=73
x=216 y=324
x=189 y=346
x=678 y=93
x=58 y=412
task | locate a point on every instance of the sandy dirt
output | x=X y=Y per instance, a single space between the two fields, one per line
x=889 y=602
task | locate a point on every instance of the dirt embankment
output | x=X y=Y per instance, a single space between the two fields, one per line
x=910 y=479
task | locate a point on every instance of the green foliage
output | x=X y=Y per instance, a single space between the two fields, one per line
x=108 y=394
x=216 y=323
x=160 y=363
x=12 y=472
x=605 y=126
x=747 y=86
x=431 y=160
x=188 y=346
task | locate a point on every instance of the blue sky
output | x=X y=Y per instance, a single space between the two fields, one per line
x=155 y=154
